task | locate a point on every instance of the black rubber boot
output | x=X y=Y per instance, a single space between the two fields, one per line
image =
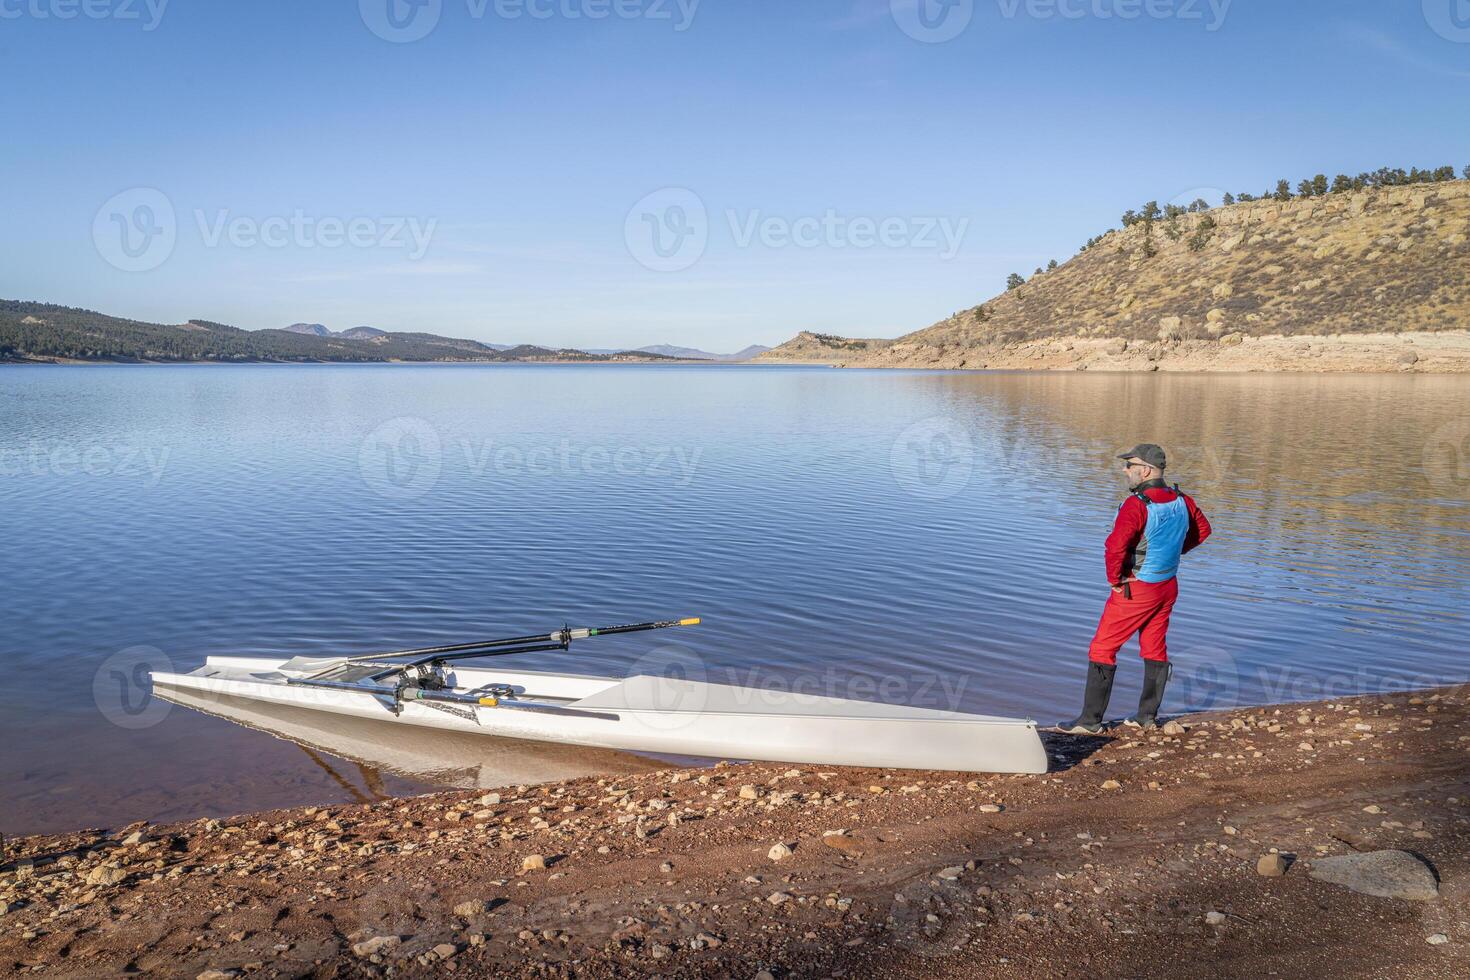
x=1156 y=674
x=1094 y=702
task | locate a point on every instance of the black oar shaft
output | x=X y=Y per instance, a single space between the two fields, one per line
x=456 y=647
x=469 y=655
x=554 y=640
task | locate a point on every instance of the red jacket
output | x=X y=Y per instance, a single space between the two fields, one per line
x=1128 y=530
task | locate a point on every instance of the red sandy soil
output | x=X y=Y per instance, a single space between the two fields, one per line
x=1110 y=866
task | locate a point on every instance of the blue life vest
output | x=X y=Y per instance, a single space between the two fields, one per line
x=1156 y=558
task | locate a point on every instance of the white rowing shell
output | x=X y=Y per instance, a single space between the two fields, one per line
x=662 y=715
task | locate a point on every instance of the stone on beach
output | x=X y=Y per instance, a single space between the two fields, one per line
x=778 y=852
x=105 y=876
x=472 y=908
x=533 y=862
x=374 y=945
x=1272 y=866
x=1383 y=874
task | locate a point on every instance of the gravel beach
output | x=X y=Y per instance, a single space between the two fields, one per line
x=1212 y=847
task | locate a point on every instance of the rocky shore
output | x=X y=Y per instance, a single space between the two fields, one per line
x=1443 y=352
x=1301 y=840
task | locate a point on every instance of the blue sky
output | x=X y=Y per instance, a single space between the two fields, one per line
x=834 y=165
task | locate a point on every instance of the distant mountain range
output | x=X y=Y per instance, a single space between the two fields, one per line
x=663 y=350
x=47 y=332
x=689 y=353
x=369 y=333
x=694 y=354
x=317 y=330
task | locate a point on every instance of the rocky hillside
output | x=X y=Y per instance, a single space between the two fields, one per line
x=1366 y=264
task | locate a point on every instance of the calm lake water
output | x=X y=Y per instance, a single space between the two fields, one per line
x=933 y=538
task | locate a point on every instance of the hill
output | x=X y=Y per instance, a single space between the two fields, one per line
x=695 y=354
x=748 y=354
x=314 y=329
x=47 y=332
x=1362 y=280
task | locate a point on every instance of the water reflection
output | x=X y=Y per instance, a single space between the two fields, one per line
x=1341 y=506
x=432 y=757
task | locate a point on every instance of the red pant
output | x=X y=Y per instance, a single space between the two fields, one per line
x=1146 y=614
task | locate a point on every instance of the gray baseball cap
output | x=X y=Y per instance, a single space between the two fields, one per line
x=1148 y=452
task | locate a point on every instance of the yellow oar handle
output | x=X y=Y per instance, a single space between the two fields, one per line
x=692 y=621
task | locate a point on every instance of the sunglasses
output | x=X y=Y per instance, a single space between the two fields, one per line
x=1129 y=466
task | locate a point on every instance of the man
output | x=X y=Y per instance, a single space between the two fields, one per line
x=1155 y=525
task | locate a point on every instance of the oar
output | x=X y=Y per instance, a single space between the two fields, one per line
x=488 y=648
x=402 y=694
x=558 y=639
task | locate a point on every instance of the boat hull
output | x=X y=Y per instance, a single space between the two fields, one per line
x=676 y=717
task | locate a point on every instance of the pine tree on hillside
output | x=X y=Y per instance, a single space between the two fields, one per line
x=1014 y=281
x=1317 y=186
x=1051 y=265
